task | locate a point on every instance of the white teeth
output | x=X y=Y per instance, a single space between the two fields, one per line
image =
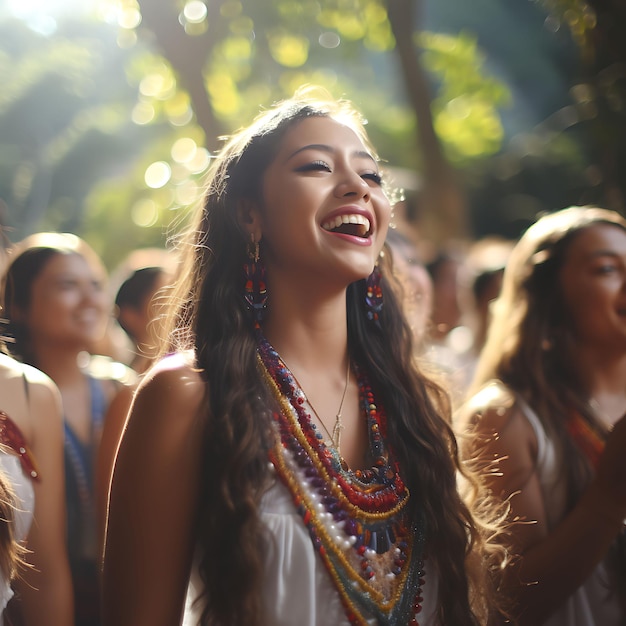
x=347 y=219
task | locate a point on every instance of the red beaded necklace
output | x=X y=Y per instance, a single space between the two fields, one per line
x=11 y=437
x=357 y=520
x=587 y=438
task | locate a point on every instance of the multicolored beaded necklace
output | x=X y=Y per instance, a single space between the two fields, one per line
x=357 y=519
x=586 y=437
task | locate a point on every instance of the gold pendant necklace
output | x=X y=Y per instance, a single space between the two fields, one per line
x=335 y=438
x=338 y=427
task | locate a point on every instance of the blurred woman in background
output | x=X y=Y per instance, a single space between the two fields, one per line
x=547 y=418
x=57 y=307
x=136 y=311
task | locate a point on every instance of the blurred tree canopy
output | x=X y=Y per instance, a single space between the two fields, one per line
x=107 y=123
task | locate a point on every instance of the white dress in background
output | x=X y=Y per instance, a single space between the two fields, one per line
x=591 y=604
x=22 y=487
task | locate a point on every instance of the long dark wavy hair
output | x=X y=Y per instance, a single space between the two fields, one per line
x=531 y=348
x=210 y=318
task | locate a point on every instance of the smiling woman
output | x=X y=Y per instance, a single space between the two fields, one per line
x=549 y=402
x=57 y=309
x=307 y=468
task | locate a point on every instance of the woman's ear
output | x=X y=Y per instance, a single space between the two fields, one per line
x=249 y=220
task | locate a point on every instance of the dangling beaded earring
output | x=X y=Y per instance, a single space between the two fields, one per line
x=374 y=295
x=255 y=291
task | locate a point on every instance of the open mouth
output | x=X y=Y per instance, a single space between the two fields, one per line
x=353 y=224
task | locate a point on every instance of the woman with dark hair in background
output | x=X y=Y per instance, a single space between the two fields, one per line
x=135 y=310
x=290 y=456
x=547 y=414
x=57 y=307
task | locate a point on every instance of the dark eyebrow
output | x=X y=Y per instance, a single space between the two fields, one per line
x=604 y=252
x=330 y=150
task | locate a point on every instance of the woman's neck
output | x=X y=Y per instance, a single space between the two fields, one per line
x=310 y=337
x=607 y=388
x=62 y=366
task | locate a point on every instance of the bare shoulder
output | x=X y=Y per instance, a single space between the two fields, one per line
x=177 y=376
x=172 y=386
x=493 y=416
x=42 y=391
x=38 y=379
x=491 y=407
x=29 y=398
x=165 y=426
x=499 y=441
x=9 y=367
x=17 y=373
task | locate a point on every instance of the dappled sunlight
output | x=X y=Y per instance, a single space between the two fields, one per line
x=329 y=40
x=129 y=17
x=143 y=113
x=158 y=174
x=160 y=85
x=242 y=26
x=223 y=92
x=184 y=150
x=194 y=12
x=231 y=9
x=112 y=104
x=289 y=50
x=144 y=213
x=470 y=126
x=200 y=161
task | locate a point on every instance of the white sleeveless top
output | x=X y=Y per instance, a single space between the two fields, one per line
x=296 y=584
x=23 y=516
x=591 y=604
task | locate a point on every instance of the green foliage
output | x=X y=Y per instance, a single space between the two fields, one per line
x=466 y=107
x=81 y=120
x=64 y=123
x=88 y=116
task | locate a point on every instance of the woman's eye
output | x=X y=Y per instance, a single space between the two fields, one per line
x=314 y=166
x=374 y=177
x=606 y=268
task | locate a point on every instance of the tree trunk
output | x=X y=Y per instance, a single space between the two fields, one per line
x=441 y=200
x=606 y=67
x=187 y=55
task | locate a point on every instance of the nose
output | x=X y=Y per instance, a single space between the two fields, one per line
x=352 y=185
x=93 y=294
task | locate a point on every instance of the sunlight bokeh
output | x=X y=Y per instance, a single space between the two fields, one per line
x=41 y=15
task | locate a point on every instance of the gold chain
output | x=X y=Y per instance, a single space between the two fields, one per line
x=338 y=427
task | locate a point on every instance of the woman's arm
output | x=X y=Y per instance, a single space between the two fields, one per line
x=112 y=429
x=555 y=563
x=44 y=590
x=154 y=501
